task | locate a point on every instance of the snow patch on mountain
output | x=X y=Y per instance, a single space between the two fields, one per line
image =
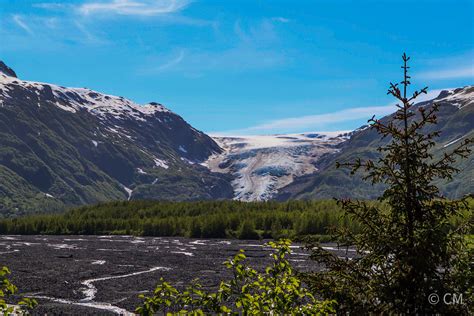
x=75 y=99
x=263 y=164
x=454 y=141
x=187 y=161
x=140 y=171
x=160 y=163
x=460 y=97
x=129 y=192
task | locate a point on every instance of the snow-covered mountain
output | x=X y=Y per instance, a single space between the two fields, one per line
x=70 y=146
x=302 y=166
x=261 y=165
x=76 y=99
x=460 y=97
x=62 y=147
x=455 y=122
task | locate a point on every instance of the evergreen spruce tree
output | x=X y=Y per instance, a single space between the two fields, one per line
x=410 y=259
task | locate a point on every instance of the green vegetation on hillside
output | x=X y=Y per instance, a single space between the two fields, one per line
x=52 y=159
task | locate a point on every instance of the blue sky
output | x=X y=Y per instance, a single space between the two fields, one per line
x=243 y=67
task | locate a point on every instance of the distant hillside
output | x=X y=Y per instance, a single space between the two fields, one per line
x=62 y=147
x=455 y=121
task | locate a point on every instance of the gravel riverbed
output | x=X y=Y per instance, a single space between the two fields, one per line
x=103 y=275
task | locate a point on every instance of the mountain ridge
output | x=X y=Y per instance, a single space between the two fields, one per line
x=455 y=121
x=63 y=147
x=282 y=166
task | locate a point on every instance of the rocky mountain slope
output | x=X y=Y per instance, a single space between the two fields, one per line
x=261 y=165
x=302 y=166
x=455 y=121
x=62 y=147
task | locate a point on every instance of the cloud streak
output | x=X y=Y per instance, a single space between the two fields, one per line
x=88 y=37
x=280 y=19
x=173 y=62
x=326 y=121
x=318 y=121
x=456 y=73
x=22 y=24
x=51 y=6
x=133 y=7
x=166 y=66
x=195 y=63
x=252 y=49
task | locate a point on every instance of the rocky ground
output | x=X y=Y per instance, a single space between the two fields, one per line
x=103 y=275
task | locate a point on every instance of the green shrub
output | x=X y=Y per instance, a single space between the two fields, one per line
x=276 y=291
x=8 y=289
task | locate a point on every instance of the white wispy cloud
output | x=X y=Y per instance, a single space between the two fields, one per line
x=88 y=36
x=460 y=66
x=50 y=32
x=51 y=5
x=260 y=34
x=280 y=19
x=21 y=23
x=138 y=8
x=315 y=122
x=51 y=23
x=173 y=62
x=167 y=65
x=133 y=7
x=326 y=121
x=456 y=73
x=196 y=63
x=254 y=47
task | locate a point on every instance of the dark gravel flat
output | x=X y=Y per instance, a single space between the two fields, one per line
x=103 y=275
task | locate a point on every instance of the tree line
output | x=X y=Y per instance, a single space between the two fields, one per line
x=202 y=219
x=206 y=219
